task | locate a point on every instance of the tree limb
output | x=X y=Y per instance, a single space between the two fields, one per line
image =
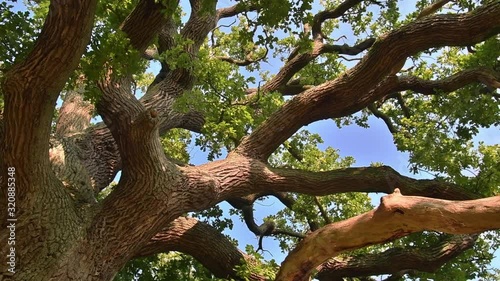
x=322 y=211
x=144 y=22
x=74 y=115
x=397 y=216
x=345 y=95
x=395 y=260
x=432 y=8
x=321 y=17
x=402 y=104
x=39 y=78
x=384 y=117
x=31 y=88
x=235 y=10
x=134 y=127
x=237 y=176
x=348 y=50
x=245 y=204
x=204 y=243
x=299 y=61
x=427 y=87
x=452 y=83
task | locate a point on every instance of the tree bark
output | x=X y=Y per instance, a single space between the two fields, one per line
x=397 y=216
x=48 y=223
x=64 y=233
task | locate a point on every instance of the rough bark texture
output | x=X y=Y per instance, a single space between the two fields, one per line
x=396 y=216
x=65 y=233
x=199 y=240
x=48 y=224
x=396 y=260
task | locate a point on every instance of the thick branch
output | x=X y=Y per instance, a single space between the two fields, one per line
x=134 y=128
x=65 y=153
x=397 y=216
x=102 y=160
x=74 y=115
x=238 y=176
x=32 y=87
x=146 y=14
x=396 y=260
x=204 y=243
x=145 y=21
x=346 y=95
x=235 y=10
x=170 y=84
x=30 y=90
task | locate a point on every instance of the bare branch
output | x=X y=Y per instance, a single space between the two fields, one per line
x=235 y=10
x=397 y=216
x=384 y=117
x=321 y=17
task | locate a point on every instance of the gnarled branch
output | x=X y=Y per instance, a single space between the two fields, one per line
x=397 y=216
x=238 y=176
x=144 y=22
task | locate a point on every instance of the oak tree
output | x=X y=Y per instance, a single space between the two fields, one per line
x=240 y=80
